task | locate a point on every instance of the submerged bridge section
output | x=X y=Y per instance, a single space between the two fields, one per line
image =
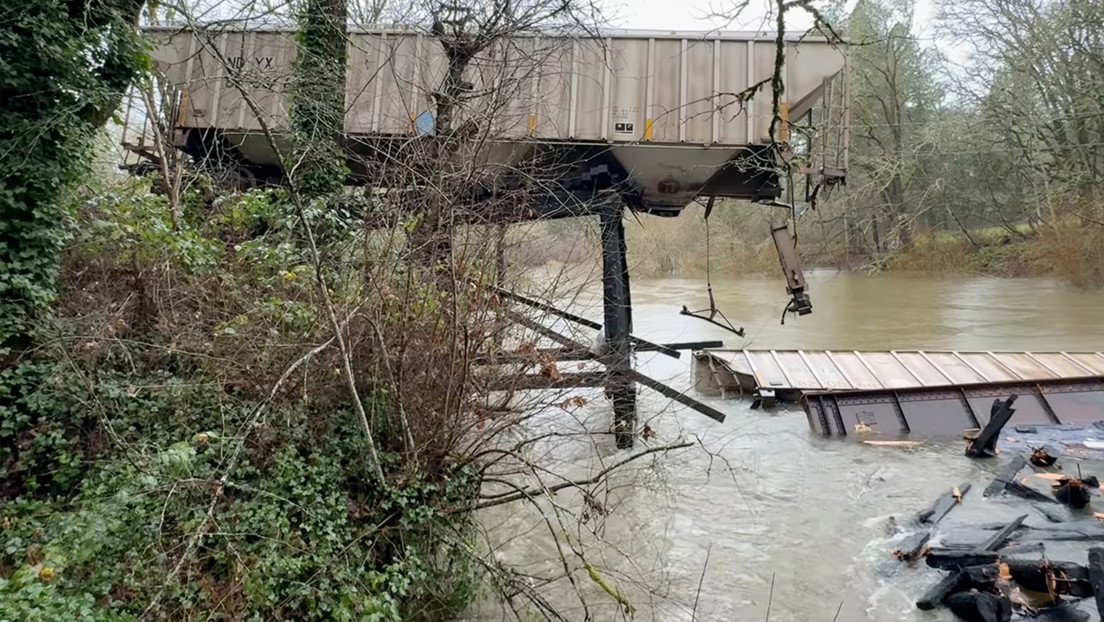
x=911 y=392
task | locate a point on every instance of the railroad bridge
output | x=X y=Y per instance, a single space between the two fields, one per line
x=635 y=120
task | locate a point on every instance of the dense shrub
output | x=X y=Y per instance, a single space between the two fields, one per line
x=146 y=469
x=298 y=532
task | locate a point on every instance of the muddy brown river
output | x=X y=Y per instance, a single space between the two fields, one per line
x=759 y=499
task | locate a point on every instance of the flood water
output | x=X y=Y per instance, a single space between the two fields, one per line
x=759 y=497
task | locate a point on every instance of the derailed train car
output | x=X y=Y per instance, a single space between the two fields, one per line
x=661 y=117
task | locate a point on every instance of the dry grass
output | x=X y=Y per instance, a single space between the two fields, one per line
x=1072 y=250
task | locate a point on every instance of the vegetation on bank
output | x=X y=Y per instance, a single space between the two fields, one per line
x=219 y=404
x=178 y=437
x=261 y=405
x=171 y=452
x=1071 y=250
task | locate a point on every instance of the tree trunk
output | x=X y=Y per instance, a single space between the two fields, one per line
x=318 y=100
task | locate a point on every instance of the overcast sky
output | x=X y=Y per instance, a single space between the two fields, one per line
x=698 y=15
x=691 y=15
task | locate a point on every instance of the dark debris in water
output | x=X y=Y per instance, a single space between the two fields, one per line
x=1036 y=566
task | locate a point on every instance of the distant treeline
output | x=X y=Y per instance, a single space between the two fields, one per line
x=977 y=144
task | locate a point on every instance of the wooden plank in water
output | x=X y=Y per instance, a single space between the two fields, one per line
x=1096 y=576
x=944 y=504
x=996 y=540
x=935 y=595
x=1006 y=476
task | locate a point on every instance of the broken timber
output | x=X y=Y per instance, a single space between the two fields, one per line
x=912 y=546
x=1007 y=476
x=640 y=345
x=957 y=559
x=997 y=539
x=991 y=575
x=584 y=379
x=984 y=445
x=943 y=505
x=935 y=595
x=1096 y=576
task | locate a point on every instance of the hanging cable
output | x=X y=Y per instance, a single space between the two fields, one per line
x=713 y=311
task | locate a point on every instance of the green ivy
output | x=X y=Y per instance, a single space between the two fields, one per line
x=38 y=600
x=63 y=67
x=40 y=432
x=303 y=532
x=318 y=99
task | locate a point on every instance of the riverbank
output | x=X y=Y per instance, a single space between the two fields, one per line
x=1071 y=250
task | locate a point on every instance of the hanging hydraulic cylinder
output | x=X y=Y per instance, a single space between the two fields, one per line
x=791 y=267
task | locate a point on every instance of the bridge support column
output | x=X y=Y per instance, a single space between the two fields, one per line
x=617 y=306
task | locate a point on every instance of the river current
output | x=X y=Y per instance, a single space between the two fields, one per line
x=760 y=513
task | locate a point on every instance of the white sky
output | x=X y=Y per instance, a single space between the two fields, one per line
x=691 y=15
x=695 y=15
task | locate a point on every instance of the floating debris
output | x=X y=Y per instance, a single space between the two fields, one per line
x=913 y=546
x=1006 y=477
x=991 y=575
x=943 y=505
x=1073 y=492
x=1041 y=457
x=894 y=443
x=985 y=444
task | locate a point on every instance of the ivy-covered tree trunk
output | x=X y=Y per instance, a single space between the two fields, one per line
x=64 y=65
x=318 y=99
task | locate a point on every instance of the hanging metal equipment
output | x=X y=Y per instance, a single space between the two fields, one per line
x=786 y=245
x=712 y=311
